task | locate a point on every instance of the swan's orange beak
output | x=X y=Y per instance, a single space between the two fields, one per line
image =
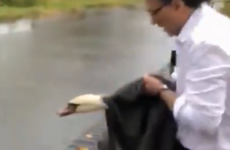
x=69 y=110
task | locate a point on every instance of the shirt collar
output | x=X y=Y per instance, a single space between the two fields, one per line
x=191 y=24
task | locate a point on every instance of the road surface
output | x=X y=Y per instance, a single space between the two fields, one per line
x=43 y=69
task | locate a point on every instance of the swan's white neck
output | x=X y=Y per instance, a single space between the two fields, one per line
x=88 y=103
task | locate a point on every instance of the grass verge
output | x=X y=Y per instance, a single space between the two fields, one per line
x=52 y=7
x=226 y=7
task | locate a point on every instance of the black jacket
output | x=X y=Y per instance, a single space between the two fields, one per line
x=139 y=121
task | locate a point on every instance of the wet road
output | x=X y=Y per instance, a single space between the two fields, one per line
x=42 y=69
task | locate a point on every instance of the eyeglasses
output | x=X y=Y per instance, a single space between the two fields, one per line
x=156 y=11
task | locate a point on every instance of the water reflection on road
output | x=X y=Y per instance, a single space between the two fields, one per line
x=41 y=70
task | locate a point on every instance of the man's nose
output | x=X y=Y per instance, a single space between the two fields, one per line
x=153 y=22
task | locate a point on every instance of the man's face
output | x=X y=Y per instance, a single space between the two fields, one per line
x=165 y=16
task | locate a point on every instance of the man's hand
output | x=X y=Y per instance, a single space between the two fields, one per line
x=152 y=84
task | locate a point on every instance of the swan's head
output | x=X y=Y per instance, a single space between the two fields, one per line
x=82 y=104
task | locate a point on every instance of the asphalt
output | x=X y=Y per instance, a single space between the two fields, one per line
x=42 y=69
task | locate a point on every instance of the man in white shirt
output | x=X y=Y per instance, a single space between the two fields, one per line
x=201 y=105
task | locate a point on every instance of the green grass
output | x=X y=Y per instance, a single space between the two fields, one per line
x=226 y=8
x=52 y=7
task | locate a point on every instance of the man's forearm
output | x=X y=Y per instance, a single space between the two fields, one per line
x=169 y=97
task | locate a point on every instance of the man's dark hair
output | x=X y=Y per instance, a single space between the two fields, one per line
x=189 y=3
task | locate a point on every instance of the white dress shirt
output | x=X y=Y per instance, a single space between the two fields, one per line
x=174 y=74
x=202 y=108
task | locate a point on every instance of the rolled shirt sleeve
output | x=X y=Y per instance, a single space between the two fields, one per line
x=202 y=103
